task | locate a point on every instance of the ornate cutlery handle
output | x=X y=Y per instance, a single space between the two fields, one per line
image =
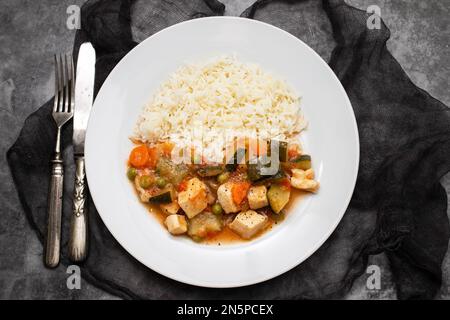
x=54 y=214
x=78 y=224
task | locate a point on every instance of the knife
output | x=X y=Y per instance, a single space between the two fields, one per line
x=84 y=96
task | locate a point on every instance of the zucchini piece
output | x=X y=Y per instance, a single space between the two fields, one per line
x=237 y=159
x=278 y=217
x=171 y=171
x=278 y=197
x=165 y=196
x=210 y=171
x=301 y=162
x=204 y=224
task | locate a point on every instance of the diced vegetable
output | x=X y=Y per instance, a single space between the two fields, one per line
x=139 y=156
x=161 y=182
x=164 y=197
x=223 y=177
x=174 y=173
x=210 y=171
x=239 y=191
x=196 y=238
x=146 y=181
x=131 y=173
x=278 y=217
x=204 y=224
x=278 y=196
x=300 y=162
x=216 y=208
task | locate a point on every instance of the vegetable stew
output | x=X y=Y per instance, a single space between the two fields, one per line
x=234 y=200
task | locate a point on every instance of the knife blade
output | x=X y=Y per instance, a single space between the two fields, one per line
x=84 y=96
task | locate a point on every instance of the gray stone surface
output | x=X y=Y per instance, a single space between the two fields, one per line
x=32 y=31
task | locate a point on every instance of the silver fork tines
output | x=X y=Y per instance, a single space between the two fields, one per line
x=64 y=89
x=62 y=112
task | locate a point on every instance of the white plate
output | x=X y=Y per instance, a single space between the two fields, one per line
x=332 y=140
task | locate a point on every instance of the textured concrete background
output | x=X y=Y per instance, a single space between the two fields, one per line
x=32 y=31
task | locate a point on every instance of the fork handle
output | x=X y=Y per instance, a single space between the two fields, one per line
x=78 y=241
x=54 y=214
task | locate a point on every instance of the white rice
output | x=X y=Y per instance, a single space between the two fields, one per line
x=203 y=105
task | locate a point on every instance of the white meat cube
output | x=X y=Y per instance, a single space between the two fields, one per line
x=257 y=197
x=194 y=199
x=248 y=223
x=304 y=180
x=176 y=224
x=225 y=198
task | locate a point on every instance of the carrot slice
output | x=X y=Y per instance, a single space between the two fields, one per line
x=239 y=191
x=139 y=156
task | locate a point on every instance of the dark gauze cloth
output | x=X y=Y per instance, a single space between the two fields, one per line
x=398 y=207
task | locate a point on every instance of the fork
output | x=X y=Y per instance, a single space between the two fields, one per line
x=62 y=112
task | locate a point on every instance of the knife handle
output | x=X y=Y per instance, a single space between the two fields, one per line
x=78 y=241
x=54 y=214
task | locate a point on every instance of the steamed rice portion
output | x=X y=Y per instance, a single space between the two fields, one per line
x=202 y=105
